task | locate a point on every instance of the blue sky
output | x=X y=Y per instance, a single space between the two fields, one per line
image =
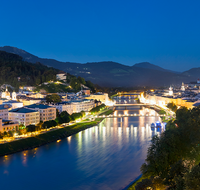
x=165 y=33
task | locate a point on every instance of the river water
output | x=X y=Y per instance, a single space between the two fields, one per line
x=104 y=157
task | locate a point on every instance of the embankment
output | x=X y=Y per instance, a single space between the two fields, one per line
x=45 y=138
x=39 y=140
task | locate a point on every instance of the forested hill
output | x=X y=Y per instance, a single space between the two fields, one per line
x=17 y=72
x=12 y=66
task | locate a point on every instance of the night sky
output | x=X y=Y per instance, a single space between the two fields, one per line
x=162 y=32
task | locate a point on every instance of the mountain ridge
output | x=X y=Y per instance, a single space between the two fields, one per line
x=113 y=74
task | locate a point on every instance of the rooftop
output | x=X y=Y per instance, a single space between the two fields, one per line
x=2 y=107
x=22 y=110
x=39 y=106
x=11 y=101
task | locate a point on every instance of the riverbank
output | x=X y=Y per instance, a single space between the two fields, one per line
x=45 y=138
x=42 y=139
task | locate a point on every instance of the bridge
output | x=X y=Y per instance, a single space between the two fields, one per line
x=126 y=106
x=129 y=115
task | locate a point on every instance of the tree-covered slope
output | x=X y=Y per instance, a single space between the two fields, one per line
x=12 y=67
x=17 y=72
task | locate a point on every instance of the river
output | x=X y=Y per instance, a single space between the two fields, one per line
x=104 y=157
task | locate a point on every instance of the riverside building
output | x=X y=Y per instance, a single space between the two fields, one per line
x=24 y=116
x=7 y=125
x=46 y=112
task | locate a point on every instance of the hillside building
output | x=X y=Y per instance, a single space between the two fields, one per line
x=61 y=76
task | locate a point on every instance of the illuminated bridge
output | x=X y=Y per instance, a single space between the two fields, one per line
x=129 y=115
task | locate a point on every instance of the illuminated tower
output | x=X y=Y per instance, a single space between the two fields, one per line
x=183 y=87
x=170 y=91
x=14 y=95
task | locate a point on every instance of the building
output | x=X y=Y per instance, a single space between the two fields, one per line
x=8 y=125
x=46 y=112
x=13 y=103
x=14 y=95
x=28 y=88
x=64 y=106
x=6 y=94
x=103 y=97
x=170 y=91
x=86 y=91
x=29 y=100
x=4 y=111
x=24 y=116
x=82 y=105
x=61 y=75
x=182 y=87
x=75 y=106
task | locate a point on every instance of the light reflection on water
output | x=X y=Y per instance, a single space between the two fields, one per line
x=107 y=156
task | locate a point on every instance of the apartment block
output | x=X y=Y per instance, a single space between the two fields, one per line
x=46 y=112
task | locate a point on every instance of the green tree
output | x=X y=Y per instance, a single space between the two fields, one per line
x=54 y=98
x=57 y=113
x=5 y=134
x=192 y=178
x=162 y=112
x=81 y=80
x=30 y=128
x=10 y=134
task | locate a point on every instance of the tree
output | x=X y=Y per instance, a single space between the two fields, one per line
x=5 y=134
x=54 y=98
x=76 y=116
x=75 y=84
x=81 y=80
x=57 y=113
x=49 y=124
x=31 y=128
x=10 y=134
x=192 y=178
x=1 y=135
x=91 y=86
x=162 y=112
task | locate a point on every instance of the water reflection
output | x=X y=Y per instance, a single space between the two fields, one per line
x=107 y=156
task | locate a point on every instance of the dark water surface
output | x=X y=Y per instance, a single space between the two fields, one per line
x=107 y=156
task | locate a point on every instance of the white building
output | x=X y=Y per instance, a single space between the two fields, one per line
x=46 y=112
x=61 y=75
x=6 y=94
x=103 y=97
x=4 y=111
x=82 y=105
x=183 y=87
x=75 y=106
x=14 y=104
x=64 y=106
x=170 y=91
x=24 y=116
x=7 y=125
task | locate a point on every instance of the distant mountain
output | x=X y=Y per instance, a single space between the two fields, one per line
x=148 y=65
x=194 y=73
x=113 y=74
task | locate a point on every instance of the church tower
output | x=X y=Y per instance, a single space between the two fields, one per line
x=170 y=91
x=183 y=87
x=14 y=96
x=6 y=94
